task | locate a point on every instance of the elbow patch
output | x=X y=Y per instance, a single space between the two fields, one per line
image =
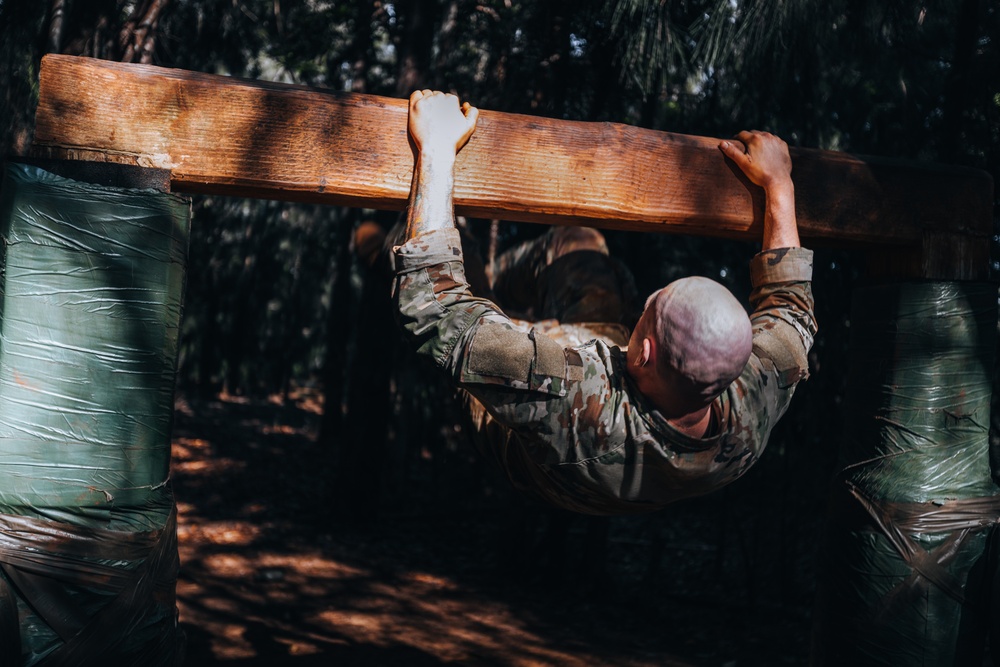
x=785 y=353
x=503 y=356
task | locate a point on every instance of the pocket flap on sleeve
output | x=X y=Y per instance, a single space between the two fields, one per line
x=520 y=360
x=497 y=351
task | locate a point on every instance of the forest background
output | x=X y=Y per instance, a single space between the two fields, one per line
x=280 y=301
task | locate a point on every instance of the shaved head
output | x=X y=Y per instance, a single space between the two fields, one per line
x=702 y=334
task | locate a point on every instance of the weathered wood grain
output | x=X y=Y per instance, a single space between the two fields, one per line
x=250 y=138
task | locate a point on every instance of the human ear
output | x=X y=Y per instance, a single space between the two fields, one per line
x=644 y=357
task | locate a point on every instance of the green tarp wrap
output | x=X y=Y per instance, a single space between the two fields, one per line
x=92 y=288
x=909 y=559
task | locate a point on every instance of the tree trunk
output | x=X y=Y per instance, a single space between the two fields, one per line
x=138 y=35
x=57 y=16
x=362 y=46
x=362 y=450
x=414 y=44
x=20 y=24
x=959 y=86
x=551 y=79
x=337 y=335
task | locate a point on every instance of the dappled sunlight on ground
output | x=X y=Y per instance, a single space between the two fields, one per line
x=268 y=579
x=268 y=604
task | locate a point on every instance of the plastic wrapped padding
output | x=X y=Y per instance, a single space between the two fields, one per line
x=919 y=391
x=90 y=313
x=908 y=560
x=92 y=289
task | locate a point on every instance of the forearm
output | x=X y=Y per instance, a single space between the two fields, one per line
x=431 y=204
x=780 y=227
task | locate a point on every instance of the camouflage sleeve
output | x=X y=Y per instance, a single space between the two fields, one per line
x=435 y=306
x=467 y=336
x=784 y=323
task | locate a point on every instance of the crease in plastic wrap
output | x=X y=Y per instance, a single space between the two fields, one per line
x=90 y=305
x=911 y=549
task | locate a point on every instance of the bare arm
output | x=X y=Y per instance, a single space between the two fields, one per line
x=439 y=128
x=765 y=161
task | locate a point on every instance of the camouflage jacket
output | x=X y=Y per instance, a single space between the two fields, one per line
x=567 y=423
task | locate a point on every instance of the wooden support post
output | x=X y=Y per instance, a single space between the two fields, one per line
x=249 y=138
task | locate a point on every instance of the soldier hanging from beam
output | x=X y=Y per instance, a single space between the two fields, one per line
x=577 y=410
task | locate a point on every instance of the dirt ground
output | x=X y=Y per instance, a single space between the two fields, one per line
x=269 y=578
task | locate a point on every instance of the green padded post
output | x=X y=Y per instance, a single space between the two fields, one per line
x=90 y=307
x=907 y=562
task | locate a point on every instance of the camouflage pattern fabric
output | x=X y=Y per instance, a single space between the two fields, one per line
x=551 y=278
x=565 y=421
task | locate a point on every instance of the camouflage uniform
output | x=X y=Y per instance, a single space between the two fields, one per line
x=563 y=418
x=566 y=275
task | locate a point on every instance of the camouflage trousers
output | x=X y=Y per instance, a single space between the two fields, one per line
x=566 y=275
x=565 y=285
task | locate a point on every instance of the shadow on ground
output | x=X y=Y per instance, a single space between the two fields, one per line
x=270 y=576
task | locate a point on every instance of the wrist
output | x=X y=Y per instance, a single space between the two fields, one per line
x=440 y=155
x=779 y=188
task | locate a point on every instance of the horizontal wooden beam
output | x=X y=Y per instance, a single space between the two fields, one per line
x=223 y=135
